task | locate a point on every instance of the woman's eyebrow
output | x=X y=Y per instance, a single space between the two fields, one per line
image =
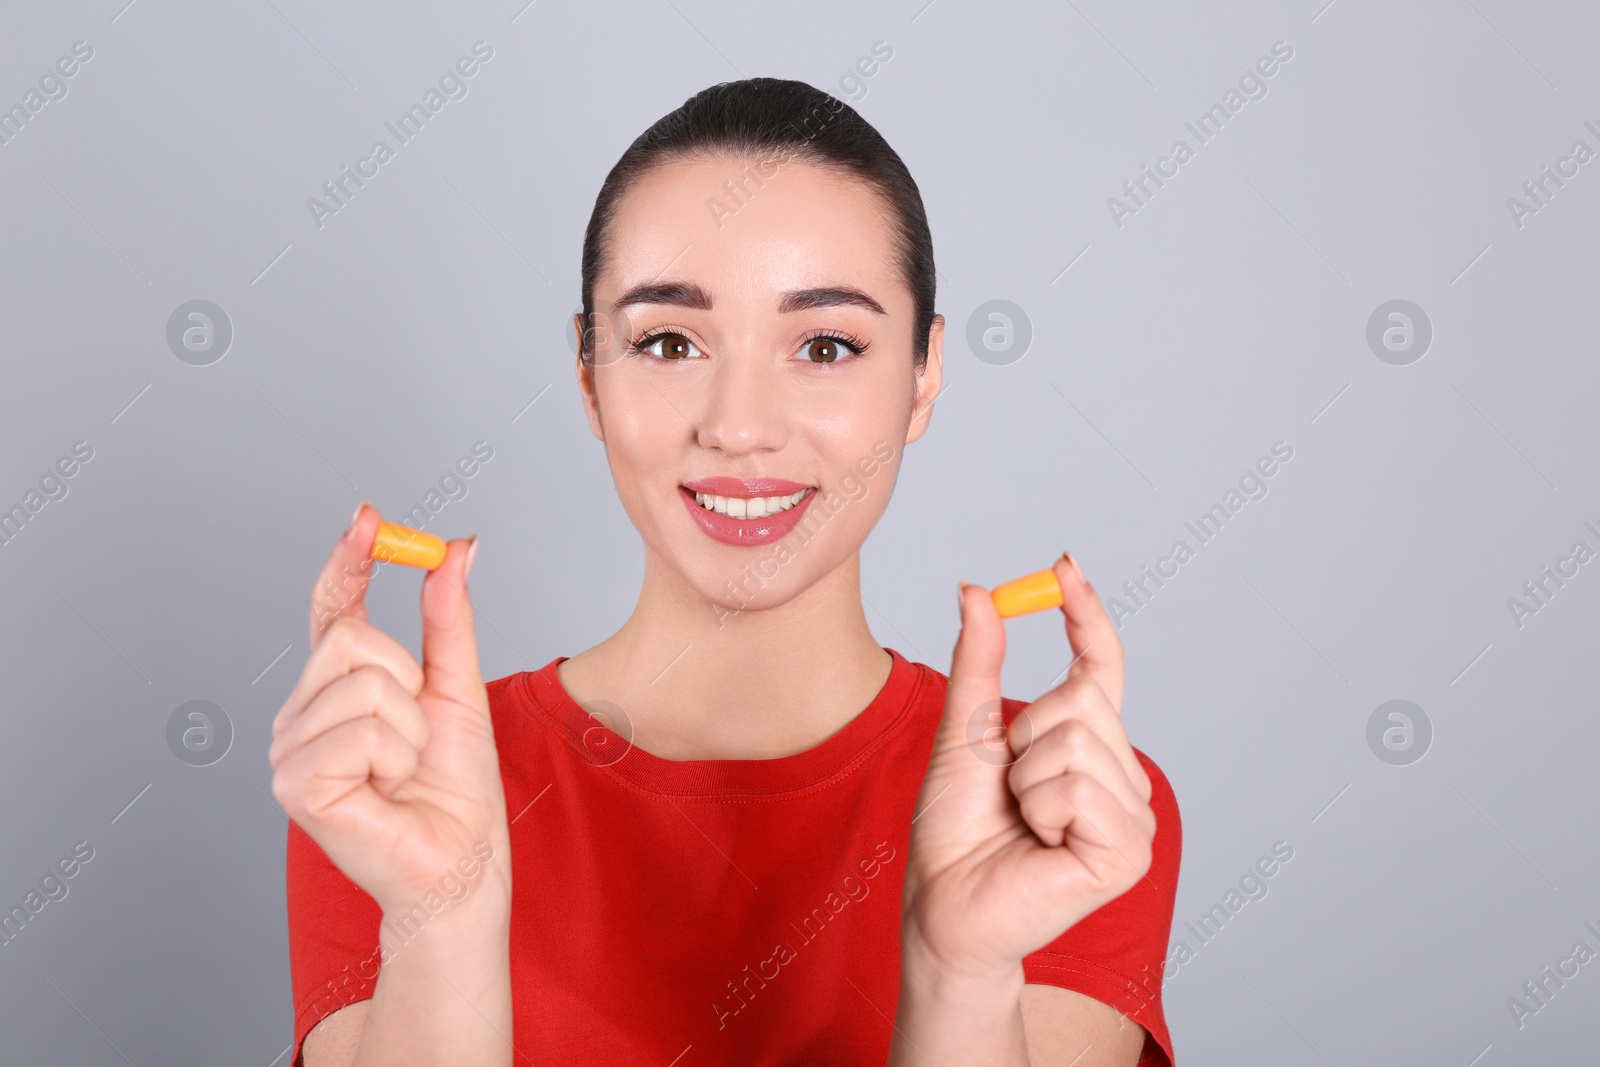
x=678 y=294
x=831 y=296
x=690 y=295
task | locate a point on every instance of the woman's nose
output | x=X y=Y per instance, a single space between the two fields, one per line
x=744 y=408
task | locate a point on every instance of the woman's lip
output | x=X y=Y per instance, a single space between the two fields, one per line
x=744 y=487
x=744 y=532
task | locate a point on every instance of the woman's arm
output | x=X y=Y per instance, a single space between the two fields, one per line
x=390 y=767
x=1008 y=1025
x=1016 y=840
x=447 y=991
x=1057 y=1018
x=333 y=1041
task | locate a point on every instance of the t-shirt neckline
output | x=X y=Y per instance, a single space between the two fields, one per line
x=596 y=745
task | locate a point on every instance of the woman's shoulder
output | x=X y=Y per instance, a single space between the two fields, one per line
x=526 y=710
x=519 y=687
x=509 y=686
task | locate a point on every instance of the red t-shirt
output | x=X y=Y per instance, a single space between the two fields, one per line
x=719 y=911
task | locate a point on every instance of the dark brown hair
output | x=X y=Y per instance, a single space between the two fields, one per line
x=777 y=120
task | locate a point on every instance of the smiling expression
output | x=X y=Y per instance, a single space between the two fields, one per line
x=760 y=363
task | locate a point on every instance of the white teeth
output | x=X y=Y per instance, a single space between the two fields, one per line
x=756 y=507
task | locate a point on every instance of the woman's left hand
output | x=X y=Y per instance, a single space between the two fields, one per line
x=1023 y=831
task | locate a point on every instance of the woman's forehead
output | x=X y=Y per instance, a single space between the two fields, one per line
x=737 y=227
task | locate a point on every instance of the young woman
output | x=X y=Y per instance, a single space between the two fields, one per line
x=738 y=831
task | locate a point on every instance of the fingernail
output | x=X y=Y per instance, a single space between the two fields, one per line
x=1076 y=570
x=354 y=517
x=472 y=554
x=961 y=598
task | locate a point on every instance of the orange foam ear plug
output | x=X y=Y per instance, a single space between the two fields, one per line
x=402 y=544
x=1038 y=591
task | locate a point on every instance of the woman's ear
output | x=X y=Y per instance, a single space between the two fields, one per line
x=586 y=384
x=929 y=382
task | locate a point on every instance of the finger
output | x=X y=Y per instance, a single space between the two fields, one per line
x=341 y=588
x=1096 y=648
x=973 y=691
x=357 y=763
x=1070 y=748
x=1082 y=698
x=348 y=644
x=368 y=690
x=449 y=641
x=1078 y=809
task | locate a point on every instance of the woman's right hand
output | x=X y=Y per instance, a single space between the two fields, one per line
x=390 y=765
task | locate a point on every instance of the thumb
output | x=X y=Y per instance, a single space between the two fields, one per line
x=449 y=639
x=972 y=710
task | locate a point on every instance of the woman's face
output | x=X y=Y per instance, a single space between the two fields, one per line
x=755 y=387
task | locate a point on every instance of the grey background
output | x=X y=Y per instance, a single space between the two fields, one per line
x=1229 y=313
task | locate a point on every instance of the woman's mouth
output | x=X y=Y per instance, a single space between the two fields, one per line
x=755 y=507
x=755 y=511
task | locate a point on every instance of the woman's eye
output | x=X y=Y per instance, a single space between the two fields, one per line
x=825 y=350
x=669 y=346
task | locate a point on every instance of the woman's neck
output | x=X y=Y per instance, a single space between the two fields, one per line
x=700 y=682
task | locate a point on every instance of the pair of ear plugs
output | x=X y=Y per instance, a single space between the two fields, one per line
x=1039 y=591
x=402 y=544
